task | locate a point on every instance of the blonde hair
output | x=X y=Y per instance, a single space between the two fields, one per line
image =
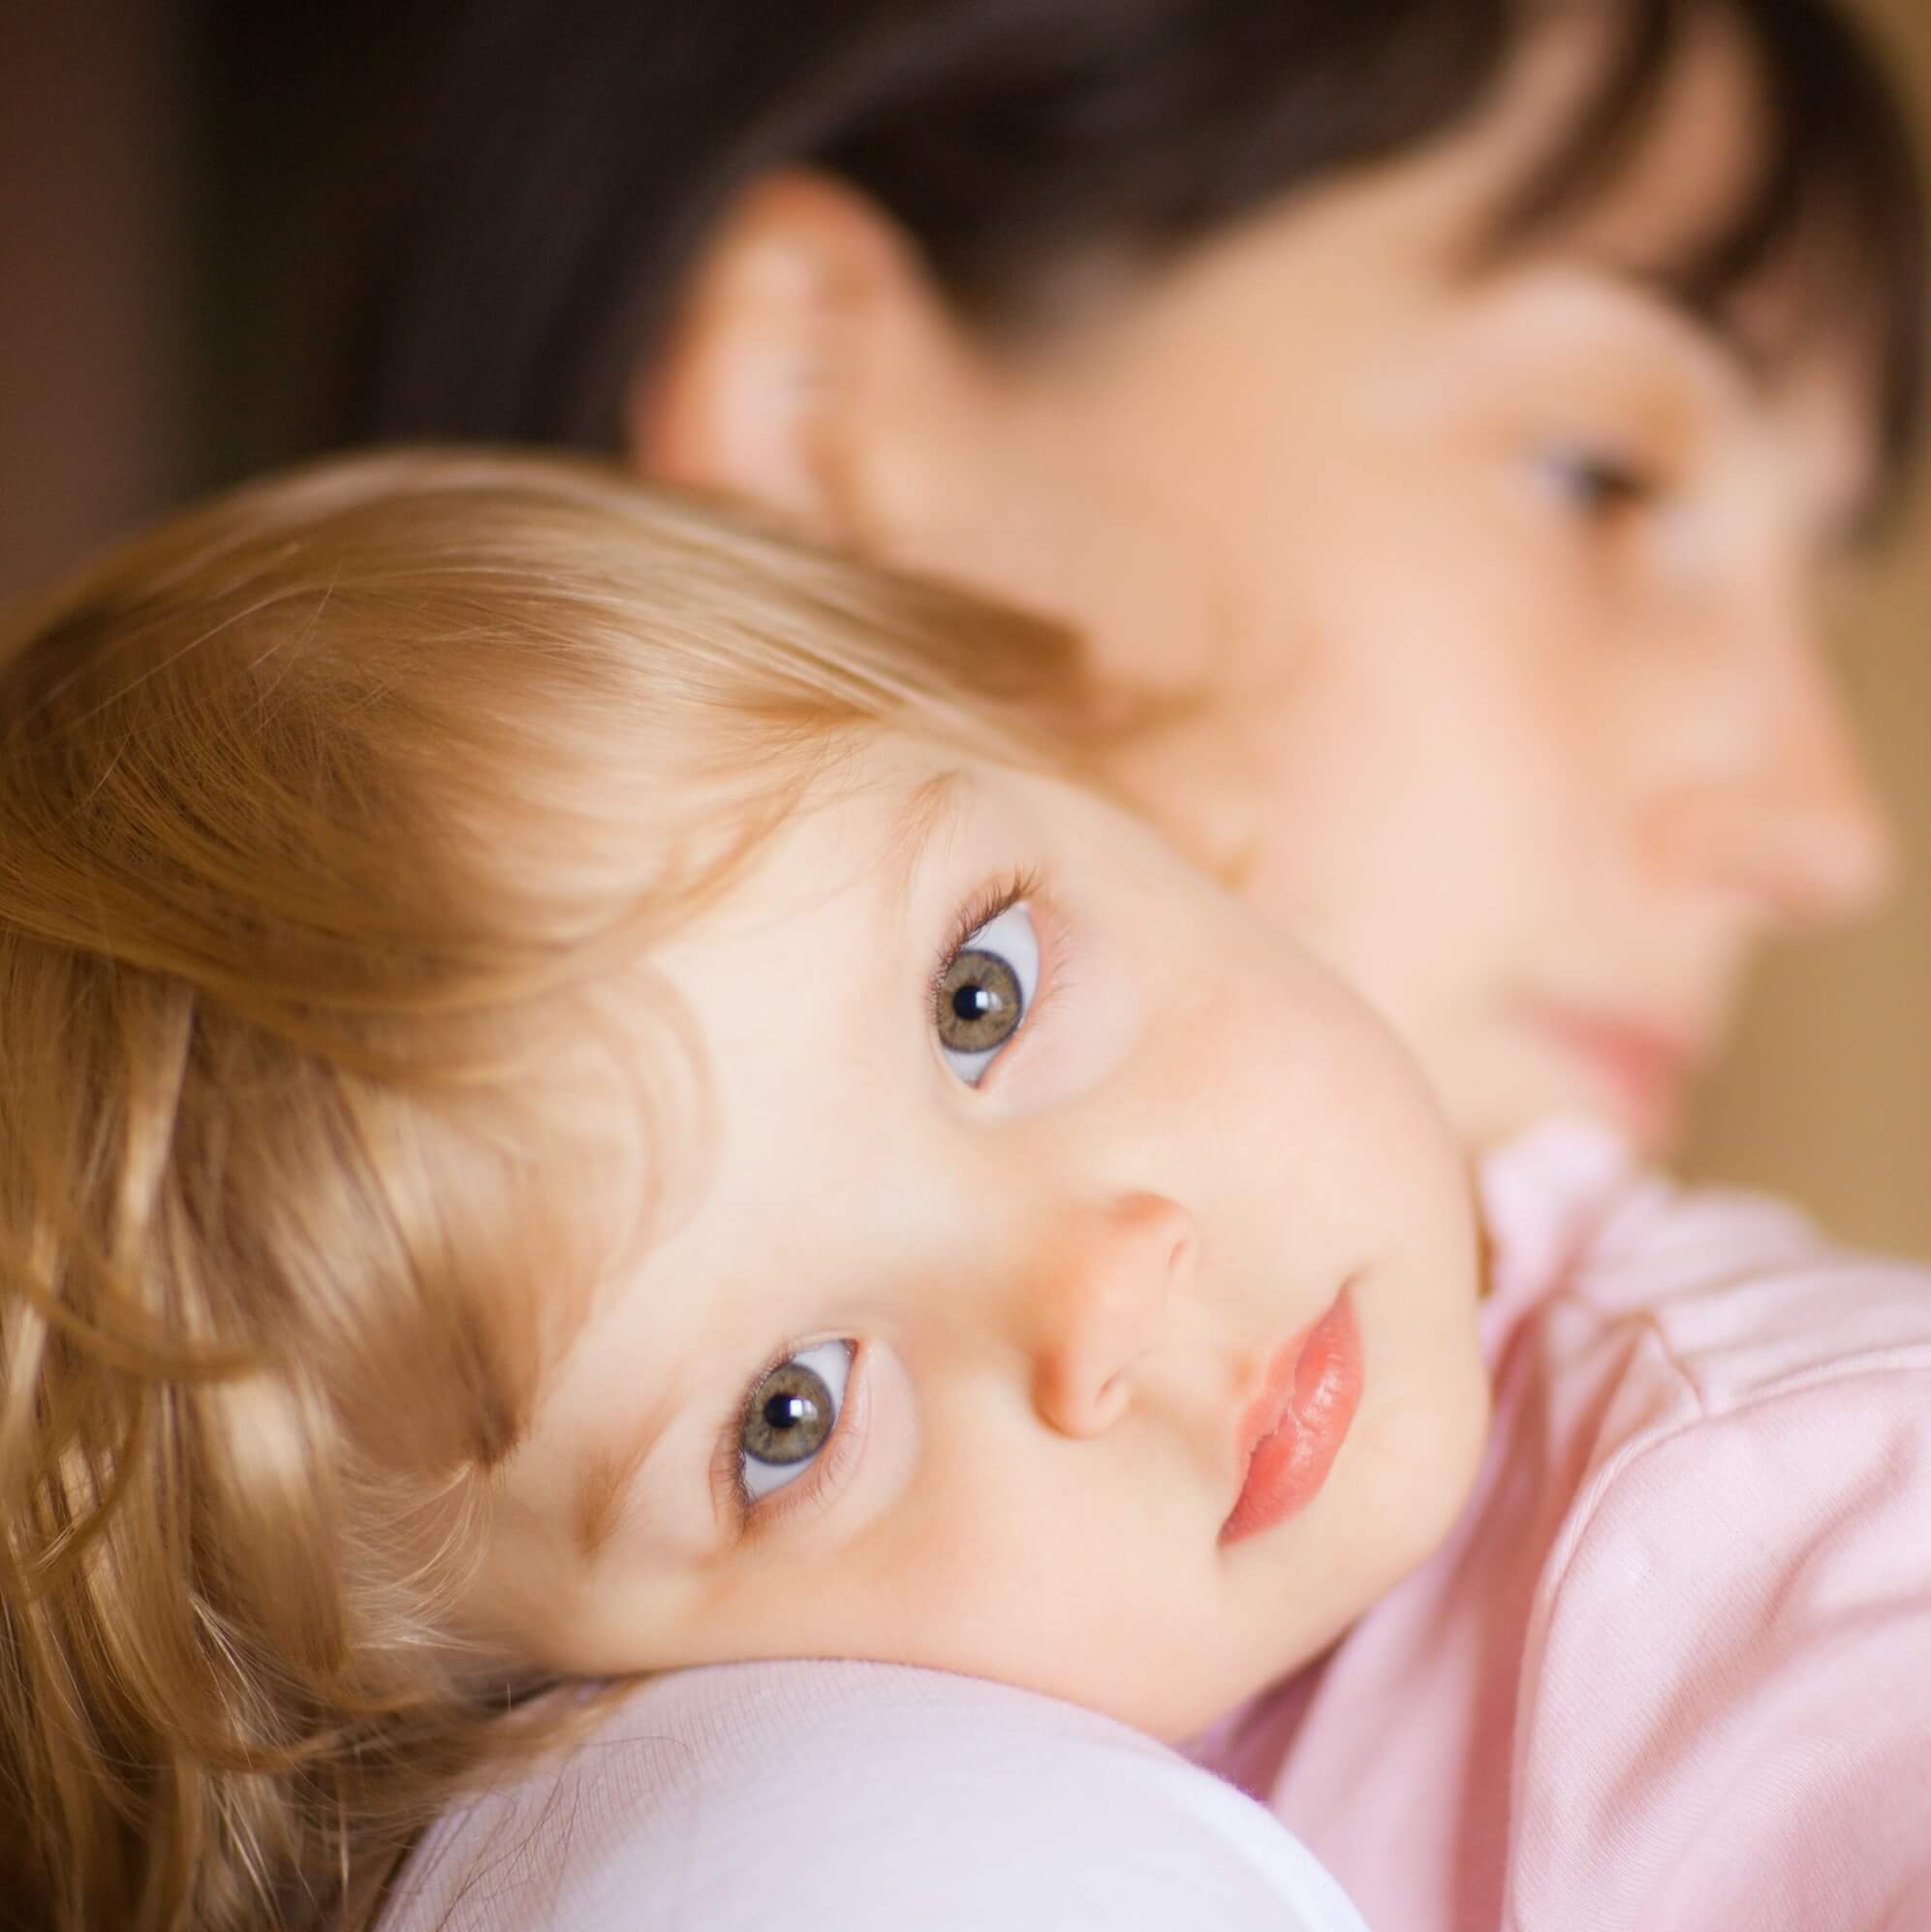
x=319 y=810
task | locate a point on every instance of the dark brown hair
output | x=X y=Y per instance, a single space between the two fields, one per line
x=564 y=160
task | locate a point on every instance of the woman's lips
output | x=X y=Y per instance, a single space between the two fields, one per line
x=1645 y=1069
x=1294 y=1427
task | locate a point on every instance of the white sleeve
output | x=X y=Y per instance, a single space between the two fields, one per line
x=870 y=1798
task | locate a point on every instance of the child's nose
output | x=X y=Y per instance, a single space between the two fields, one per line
x=1099 y=1304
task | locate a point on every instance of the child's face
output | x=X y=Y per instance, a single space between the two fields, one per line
x=1504 y=587
x=1052 y=1282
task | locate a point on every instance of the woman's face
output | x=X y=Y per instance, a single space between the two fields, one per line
x=1068 y=1283
x=1492 y=599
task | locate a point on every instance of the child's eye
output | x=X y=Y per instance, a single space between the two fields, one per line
x=792 y=1414
x=1596 y=481
x=986 y=992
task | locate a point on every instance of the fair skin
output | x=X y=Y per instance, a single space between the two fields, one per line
x=1055 y=1275
x=1496 y=595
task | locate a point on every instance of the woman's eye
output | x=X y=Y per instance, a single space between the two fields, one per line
x=791 y=1415
x=1597 y=482
x=987 y=992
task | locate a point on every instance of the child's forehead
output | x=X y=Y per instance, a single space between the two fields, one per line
x=850 y=841
x=786 y=976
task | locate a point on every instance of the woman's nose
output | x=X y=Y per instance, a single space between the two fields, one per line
x=1784 y=816
x=1100 y=1303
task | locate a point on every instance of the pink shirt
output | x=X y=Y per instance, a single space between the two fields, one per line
x=1674 y=1669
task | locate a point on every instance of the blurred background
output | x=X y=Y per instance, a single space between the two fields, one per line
x=146 y=149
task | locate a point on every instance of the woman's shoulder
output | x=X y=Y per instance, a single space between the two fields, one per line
x=1727 y=1637
x=862 y=1795
x=1727 y=1299
x=1703 y=1380
x=1724 y=1657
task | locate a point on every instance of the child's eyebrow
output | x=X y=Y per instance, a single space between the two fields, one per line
x=934 y=806
x=608 y=1475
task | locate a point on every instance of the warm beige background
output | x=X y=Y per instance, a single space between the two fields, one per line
x=1827 y=1096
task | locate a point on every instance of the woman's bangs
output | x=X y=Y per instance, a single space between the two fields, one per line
x=1836 y=202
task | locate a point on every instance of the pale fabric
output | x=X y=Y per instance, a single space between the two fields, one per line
x=1673 y=1671
x=762 y=1797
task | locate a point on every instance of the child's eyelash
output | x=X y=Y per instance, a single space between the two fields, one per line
x=727 y=1461
x=728 y=1466
x=981 y=910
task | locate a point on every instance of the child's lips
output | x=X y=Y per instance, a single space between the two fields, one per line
x=1294 y=1427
